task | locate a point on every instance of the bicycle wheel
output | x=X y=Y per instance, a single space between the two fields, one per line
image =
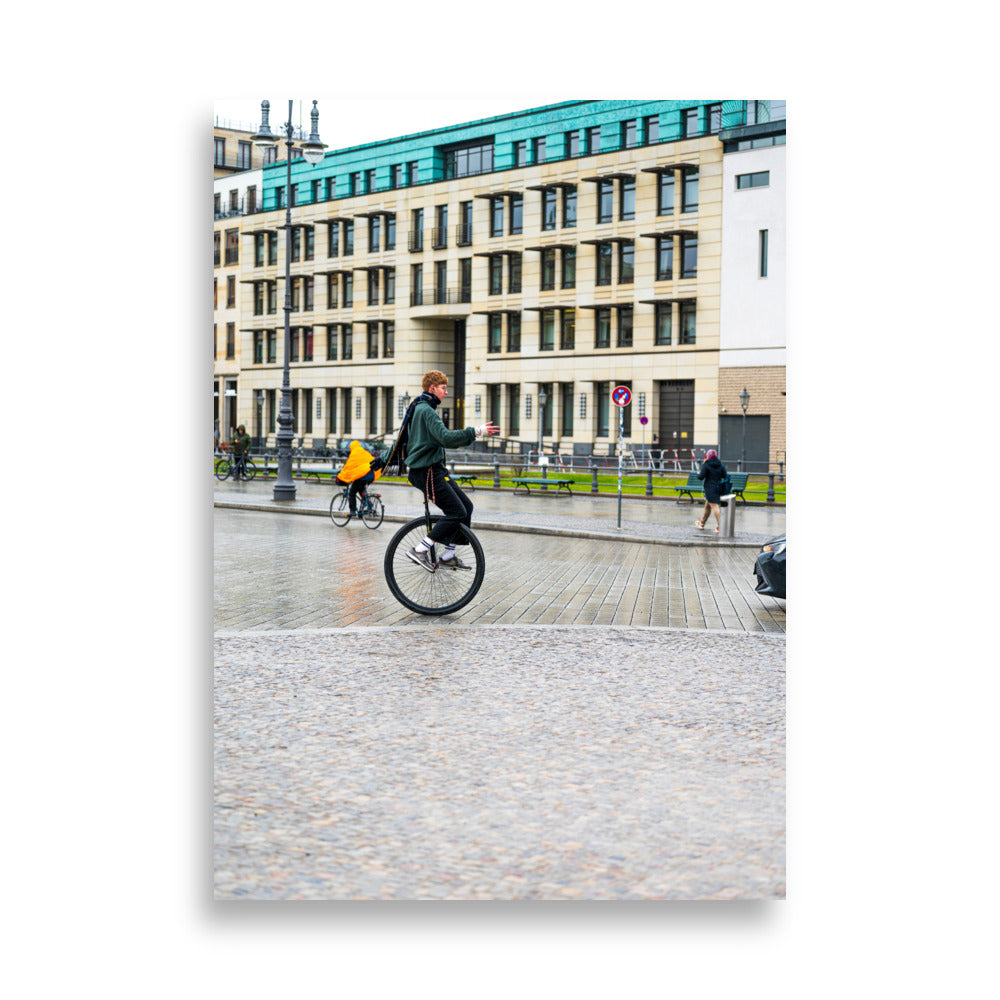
x=443 y=591
x=223 y=468
x=251 y=469
x=372 y=512
x=340 y=511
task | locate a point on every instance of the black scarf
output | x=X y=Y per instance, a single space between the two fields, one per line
x=395 y=464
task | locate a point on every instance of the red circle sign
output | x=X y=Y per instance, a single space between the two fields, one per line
x=622 y=395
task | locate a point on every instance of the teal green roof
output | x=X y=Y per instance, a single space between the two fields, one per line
x=551 y=122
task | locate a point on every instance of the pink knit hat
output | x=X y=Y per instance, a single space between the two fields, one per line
x=711 y=453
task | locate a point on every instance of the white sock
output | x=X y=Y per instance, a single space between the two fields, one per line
x=425 y=545
x=449 y=553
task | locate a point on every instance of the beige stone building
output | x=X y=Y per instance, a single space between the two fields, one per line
x=563 y=250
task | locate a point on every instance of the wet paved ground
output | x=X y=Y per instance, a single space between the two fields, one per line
x=604 y=721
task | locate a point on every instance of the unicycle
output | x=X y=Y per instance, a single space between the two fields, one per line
x=444 y=590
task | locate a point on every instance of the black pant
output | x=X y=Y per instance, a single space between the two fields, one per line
x=446 y=494
x=356 y=487
x=240 y=465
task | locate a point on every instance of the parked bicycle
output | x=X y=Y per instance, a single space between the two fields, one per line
x=224 y=468
x=443 y=590
x=371 y=510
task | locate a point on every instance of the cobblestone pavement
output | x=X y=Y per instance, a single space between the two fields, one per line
x=604 y=721
x=499 y=763
x=273 y=571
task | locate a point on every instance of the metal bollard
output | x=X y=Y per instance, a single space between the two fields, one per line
x=770 y=487
x=545 y=485
x=649 y=482
x=593 y=485
x=727 y=515
x=496 y=470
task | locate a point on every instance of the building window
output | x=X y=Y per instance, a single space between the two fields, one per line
x=521 y=153
x=332 y=287
x=251 y=199
x=626 y=262
x=390 y=232
x=258 y=249
x=603 y=408
x=714 y=117
x=760 y=179
x=513 y=272
x=464 y=234
x=516 y=213
x=439 y=234
x=417 y=285
x=689 y=196
x=626 y=200
x=689 y=256
x=295 y=195
x=605 y=200
x=346 y=343
x=348 y=239
x=396 y=175
x=513 y=332
x=665 y=193
x=496 y=273
x=390 y=286
x=465 y=279
x=467 y=160
x=603 y=263
x=569 y=267
x=662 y=324
x=348 y=289
x=566 y=408
x=230 y=341
x=687 y=319
x=354 y=183
x=572 y=141
x=513 y=410
x=308 y=287
x=549 y=208
x=625 y=326
x=567 y=330
x=602 y=327
x=493 y=344
x=220 y=152
x=333 y=240
x=538 y=150
x=388 y=340
x=296 y=243
x=331 y=342
x=271 y=154
x=569 y=207
x=307 y=344
x=310 y=237
x=315 y=191
x=651 y=128
x=230 y=291
x=762 y=245
x=330 y=185
x=259 y=288
x=417 y=229
x=496 y=216
x=232 y=246
x=547 y=330
x=369 y=181
x=546 y=410
x=629 y=134
x=279 y=197
x=234 y=202
x=441 y=281
x=664 y=258
x=295 y=294
x=331 y=411
x=272 y=347
x=593 y=136
x=548 y=270
x=413 y=172
x=272 y=297
x=258 y=347
x=373 y=286
x=218 y=237
x=372 y=339
x=690 y=121
x=374 y=233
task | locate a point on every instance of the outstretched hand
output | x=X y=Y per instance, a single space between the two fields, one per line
x=491 y=428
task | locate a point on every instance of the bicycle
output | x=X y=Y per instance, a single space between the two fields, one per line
x=370 y=508
x=224 y=468
x=443 y=591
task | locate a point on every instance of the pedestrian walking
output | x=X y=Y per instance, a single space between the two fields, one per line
x=714 y=473
x=420 y=447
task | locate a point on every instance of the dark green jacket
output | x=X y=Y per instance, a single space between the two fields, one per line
x=429 y=437
x=241 y=443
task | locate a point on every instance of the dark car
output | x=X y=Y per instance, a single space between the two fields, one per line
x=770 y=568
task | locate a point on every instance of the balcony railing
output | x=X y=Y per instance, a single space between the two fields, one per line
x=415 y=241
x=463 y=235
x=441 y=296
x=439 y=238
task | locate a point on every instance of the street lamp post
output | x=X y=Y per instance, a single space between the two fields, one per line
x=312 y=150
x=543 y=398
x=744 y=402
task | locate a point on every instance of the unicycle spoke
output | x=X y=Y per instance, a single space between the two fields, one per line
x=445 y=590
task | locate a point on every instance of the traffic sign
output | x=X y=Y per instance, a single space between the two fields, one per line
x=622 y=395
x=643 y=421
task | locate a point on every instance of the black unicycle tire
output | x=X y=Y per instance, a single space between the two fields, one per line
x=440 y=593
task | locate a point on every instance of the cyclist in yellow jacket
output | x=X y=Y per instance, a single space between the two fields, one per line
x=360 y=468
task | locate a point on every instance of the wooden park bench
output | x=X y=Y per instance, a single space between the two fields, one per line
x=562 y=484
x=696 y=485
x=466 y=479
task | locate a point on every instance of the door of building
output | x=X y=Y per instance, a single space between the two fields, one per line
x=458 y=377
x=758 y=442
x=676 y=414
